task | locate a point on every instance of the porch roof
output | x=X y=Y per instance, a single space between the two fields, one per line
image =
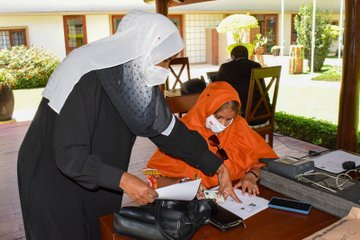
x=51 y=6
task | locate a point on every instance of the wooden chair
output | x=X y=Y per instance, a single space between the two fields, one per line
x=268 y=97
x=211 y=76
x=182 y=62
x=180 y=103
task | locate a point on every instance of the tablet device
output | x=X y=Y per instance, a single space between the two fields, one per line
x=223 y=219
x=290 y=205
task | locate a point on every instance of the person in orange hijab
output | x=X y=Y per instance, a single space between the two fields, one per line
x=215 y=116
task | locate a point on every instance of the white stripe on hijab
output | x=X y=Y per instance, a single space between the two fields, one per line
x=139 y=34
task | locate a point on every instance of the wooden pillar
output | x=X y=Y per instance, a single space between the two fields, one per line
x=349 y=93
x=162 y=7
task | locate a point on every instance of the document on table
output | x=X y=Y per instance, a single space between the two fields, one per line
x=185 y=191
x=332 y=161
x=250 y=204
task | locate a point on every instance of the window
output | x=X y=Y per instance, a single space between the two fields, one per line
x=177 y=20
x=293 y=31
x=12 y=37
x=115 y=20
x=195 y=33
x=268 y=28
x=75 y=32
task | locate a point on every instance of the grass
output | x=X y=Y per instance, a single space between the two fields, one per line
x=328 y=73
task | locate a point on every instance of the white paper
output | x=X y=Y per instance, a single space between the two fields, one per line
x=250 y=204
x=332 y=161
x=185 y=191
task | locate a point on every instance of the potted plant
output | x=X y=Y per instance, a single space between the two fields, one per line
x=260 y=44
x=7 y=82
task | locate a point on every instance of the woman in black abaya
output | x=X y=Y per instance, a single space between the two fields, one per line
x=72 y=163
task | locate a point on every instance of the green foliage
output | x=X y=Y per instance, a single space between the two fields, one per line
x=329 y=73
x=260 y=40
x=310 y=130
x=7 y=78
x=29 y=67
x=323 y=34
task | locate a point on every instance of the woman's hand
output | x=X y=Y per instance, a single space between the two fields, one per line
x=226 y=189
x=137 y=189
x=200 y=193
x=248 y=184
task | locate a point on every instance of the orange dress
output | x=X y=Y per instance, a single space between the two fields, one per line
x=243 y=145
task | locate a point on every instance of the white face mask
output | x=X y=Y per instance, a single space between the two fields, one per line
x=155 y=75
x=214 y=125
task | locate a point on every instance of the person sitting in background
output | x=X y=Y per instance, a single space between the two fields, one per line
x=238 y=73
x=228 y=135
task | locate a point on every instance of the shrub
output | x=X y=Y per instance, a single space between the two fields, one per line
x=7 y=78
x=310 y=130
x=31 y=67
x=323 y=34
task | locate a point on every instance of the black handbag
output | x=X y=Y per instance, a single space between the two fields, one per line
x=164 y=219
x=194 y=85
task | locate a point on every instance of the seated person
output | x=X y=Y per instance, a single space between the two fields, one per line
x=238 y=72
x=228 y=135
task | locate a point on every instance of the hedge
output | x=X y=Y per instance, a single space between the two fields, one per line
x=319 y=132
x=31 y=67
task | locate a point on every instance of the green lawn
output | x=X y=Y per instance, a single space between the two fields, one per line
x=298 y=95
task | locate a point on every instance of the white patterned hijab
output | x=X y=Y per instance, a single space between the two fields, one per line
x=150 y=36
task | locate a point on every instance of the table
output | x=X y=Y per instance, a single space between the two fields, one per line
x=268 y=224
x=179 y=102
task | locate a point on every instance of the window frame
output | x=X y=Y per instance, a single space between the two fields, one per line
x=113 y=18
x=16 y=29
x=66 y=31
x=264 y=26
x=293 y=33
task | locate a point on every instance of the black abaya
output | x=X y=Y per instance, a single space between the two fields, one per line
x=70 y=165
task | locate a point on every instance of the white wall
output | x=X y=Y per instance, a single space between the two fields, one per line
x=97 y=27
x=42 y=31
x=287 y=33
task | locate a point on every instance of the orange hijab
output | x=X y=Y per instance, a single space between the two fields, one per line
x=243 y=146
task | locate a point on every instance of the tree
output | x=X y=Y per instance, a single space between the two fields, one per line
x=323 y=34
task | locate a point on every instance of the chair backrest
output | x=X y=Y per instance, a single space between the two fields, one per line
x=182 y=103
x=177 y=67
x=211 y=76
x=266 y=81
